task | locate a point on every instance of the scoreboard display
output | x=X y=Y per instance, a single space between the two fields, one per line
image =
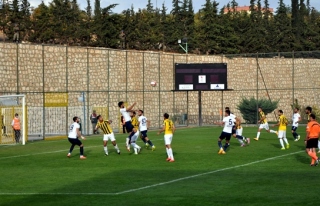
x=201 y=77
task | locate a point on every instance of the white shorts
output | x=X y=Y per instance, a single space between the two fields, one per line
x=168 y=139
x=135 y=137
x=110 y=137
x=281 y=134
x=264 y=126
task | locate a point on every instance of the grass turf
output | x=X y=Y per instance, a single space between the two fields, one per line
x=39 y=173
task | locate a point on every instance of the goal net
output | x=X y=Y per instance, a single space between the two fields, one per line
x=13 y=119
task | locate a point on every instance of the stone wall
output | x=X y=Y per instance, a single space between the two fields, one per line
x=108 y=76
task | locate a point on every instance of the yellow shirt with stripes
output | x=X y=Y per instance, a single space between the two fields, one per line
x=283 y=123
x=262 y=115
x=105 y=127
x=135 y=122
x=168 y=126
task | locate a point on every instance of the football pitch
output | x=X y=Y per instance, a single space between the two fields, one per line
x=40 y=173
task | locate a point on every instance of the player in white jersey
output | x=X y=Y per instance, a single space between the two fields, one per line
x=296 y=118
x=226 y=133
x=234 y=117
x=144 y=123
x=127 y=119
x=73 y=136
x=242 y=139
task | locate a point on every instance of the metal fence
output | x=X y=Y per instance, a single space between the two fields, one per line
x=104 y=77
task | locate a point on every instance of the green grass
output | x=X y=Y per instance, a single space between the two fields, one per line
x=39 y=173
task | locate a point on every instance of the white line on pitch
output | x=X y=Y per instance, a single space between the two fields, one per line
x=158 y=184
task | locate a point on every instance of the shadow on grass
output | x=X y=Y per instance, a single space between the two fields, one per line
x=303 y=158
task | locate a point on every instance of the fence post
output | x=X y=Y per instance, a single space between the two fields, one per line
x=292 y=78
x=17 y=53
x=67 y=90
x=43 y=97
x=88 y=94
x=159 y=77
x=257 y=92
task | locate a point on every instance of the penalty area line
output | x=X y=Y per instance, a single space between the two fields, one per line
x=158 y=184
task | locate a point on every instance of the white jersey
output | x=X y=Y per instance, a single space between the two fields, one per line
x=228 y=124
x=295 y=118
x=125 y=114
x=142 y=123
x=73 y=130
x=233 y=116
x=239 y=131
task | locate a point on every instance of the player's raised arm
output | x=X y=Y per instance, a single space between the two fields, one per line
x=129 y=109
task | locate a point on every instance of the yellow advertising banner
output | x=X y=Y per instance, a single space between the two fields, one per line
x=56 y=99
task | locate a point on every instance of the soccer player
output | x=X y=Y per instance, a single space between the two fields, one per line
x=169 y=129
x=283 y=121
x=234 y=129
x=312 y=136
x=73 y=136
x=239 y=130
x=308 y=112
x=296 y=118
x=263 y=124
x=133 y=141
x=144 y=123
x=108 y=134
x=226 y=133
x=127 y=119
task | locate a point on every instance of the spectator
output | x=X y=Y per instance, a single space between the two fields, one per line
x=16 y=33
x=94 y=120
x=16 y=127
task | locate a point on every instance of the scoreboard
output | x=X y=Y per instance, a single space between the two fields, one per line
x=201 y=77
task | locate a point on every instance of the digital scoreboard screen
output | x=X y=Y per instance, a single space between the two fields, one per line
x=201 y=77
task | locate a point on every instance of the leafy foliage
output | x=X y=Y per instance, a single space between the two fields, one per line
x=207 y=31
x=249 y=108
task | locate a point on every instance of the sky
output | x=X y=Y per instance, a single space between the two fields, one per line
x=125 y=4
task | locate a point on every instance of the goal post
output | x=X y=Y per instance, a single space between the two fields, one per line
x=9 y=106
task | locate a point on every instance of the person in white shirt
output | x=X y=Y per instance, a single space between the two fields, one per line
x=226 y=133
x=144 y=123
x=125 y=112
x=74 y=134
x=234 y=133
x=296 y=118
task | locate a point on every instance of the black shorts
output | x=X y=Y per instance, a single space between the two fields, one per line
x=225 y=135
x=234 y=130
x=293 y=128
x=129 y=126
x=144 y=134
x=312 y=143
x=75 y=141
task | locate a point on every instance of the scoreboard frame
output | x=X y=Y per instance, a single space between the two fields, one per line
x=200 y=76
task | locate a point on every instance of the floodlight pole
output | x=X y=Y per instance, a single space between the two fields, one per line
x=184 y=49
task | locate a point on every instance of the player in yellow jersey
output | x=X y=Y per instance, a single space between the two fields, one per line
x=263 y=124
x=283 y=122
x=308 y=112
x=104 y=125
x=168 y=129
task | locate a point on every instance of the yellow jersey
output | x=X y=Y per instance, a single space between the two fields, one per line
x=283 y=123
x=135 y=122
x=105 y=127
x=168 y=126
x=309 y=117
x=262 y=115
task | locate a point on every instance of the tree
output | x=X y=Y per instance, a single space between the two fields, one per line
x=248 y=108
x=41 y=25
x=283 y=36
